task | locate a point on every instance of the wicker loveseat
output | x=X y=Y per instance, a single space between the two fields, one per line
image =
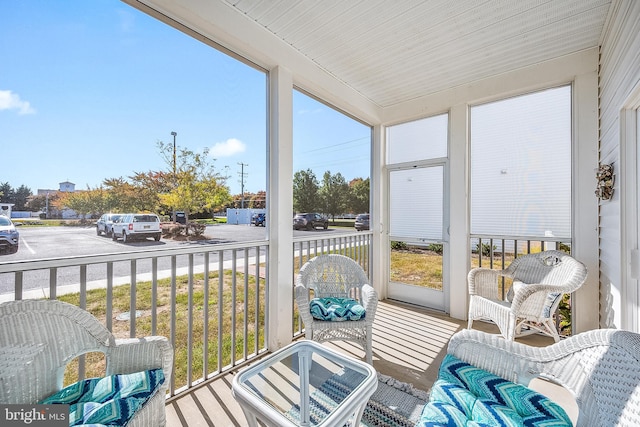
x=600 y=369
x=38 y=338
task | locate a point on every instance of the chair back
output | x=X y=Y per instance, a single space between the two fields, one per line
x=332 y=275
x=598 y=367
x=38 y=338
x=549 y=268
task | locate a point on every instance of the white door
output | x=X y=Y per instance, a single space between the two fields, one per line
x=417 y=164
x=417 y=244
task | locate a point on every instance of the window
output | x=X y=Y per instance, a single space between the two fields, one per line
x=521 y=165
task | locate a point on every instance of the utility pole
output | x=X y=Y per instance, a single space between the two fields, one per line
x=174 y=170
x=242 y=176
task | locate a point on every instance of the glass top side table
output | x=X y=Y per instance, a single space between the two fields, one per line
x=305 y=384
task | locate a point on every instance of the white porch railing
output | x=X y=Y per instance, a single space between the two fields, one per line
x=209 y=300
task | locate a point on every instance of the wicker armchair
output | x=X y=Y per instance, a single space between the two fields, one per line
x=336 y=276
x=38 y=338
x=539 y=281
x=600 y=369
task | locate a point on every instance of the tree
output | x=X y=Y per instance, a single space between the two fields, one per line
x=305 y=191
x=79 y=201
x=258 y=200
x=18 y=197
x=359 y=195
x=195 y=186
x=6 y=192
x=334 y=194
x=122 y=196
x=37 y=203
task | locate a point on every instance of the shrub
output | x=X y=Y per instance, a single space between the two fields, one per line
x=435 y=247
x=485 y=249
x=171 y=229
x=398 y=246
x=196 y=228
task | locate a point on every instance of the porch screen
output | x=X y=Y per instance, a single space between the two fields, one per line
x=521 y=165
x=416 y=155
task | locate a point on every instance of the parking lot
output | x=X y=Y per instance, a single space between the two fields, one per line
x=39 y=243
x=52 y=242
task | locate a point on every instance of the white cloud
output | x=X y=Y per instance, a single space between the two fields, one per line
x=12 y=101
x=227 y=148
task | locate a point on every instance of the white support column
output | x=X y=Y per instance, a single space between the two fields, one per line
x=280 y=197
x=585 y=204
x=459 y=250
x=379 y=214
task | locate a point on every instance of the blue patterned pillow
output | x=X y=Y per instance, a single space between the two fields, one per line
x=109 y=401
x=336 y=309
x=466 y=396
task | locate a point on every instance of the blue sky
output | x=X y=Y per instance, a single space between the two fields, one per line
x=87 y=88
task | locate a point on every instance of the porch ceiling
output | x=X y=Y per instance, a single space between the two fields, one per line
x=393 y=51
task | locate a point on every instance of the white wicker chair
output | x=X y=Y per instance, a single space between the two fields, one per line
x=338 y=276
x=38 y=338
x=539 y=281
x=600 y=368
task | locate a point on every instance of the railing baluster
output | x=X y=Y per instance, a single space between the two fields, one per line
x=133 y=294
x=205 y=318
x=154 y=296
x=53 y=283
x=245 y=321
x=233 y=305
x=190 y=323
x=109 y=305
x=173 y=303
x=220 y=306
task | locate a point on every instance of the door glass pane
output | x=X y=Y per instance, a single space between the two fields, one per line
x=418 y=265
x=416 y=200
x=521 y=165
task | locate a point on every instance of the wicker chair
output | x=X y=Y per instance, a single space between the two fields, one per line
x=338 y=276
x=539 y=281
x=600 y=369
x=38 y=338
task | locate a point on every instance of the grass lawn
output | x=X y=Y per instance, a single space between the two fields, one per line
x=210 y=303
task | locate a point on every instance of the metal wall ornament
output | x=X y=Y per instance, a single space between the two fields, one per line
x=605 y=177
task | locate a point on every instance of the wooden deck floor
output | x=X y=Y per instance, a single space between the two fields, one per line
x=408 y=344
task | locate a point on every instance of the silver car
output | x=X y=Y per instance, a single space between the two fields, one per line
x=105 y=224
x=9 y=236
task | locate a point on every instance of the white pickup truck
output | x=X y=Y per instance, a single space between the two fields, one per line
x=137 y=226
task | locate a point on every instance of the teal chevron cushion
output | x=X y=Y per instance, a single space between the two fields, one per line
x=336 y=309
x=466 y=396
x=109 y=401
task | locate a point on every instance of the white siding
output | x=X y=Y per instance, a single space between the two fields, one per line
x=619 y=73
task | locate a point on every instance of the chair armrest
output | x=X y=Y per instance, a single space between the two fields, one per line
x=484 y=282
x=302 y=299
x=369 y=300
x=140 y=354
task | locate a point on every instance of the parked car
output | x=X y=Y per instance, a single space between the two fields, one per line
x=181 y=218
x=259 y=219
x=309 y=221
x=104 y=225
x=9 y=236
x=362 y=222
x=137 y=226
